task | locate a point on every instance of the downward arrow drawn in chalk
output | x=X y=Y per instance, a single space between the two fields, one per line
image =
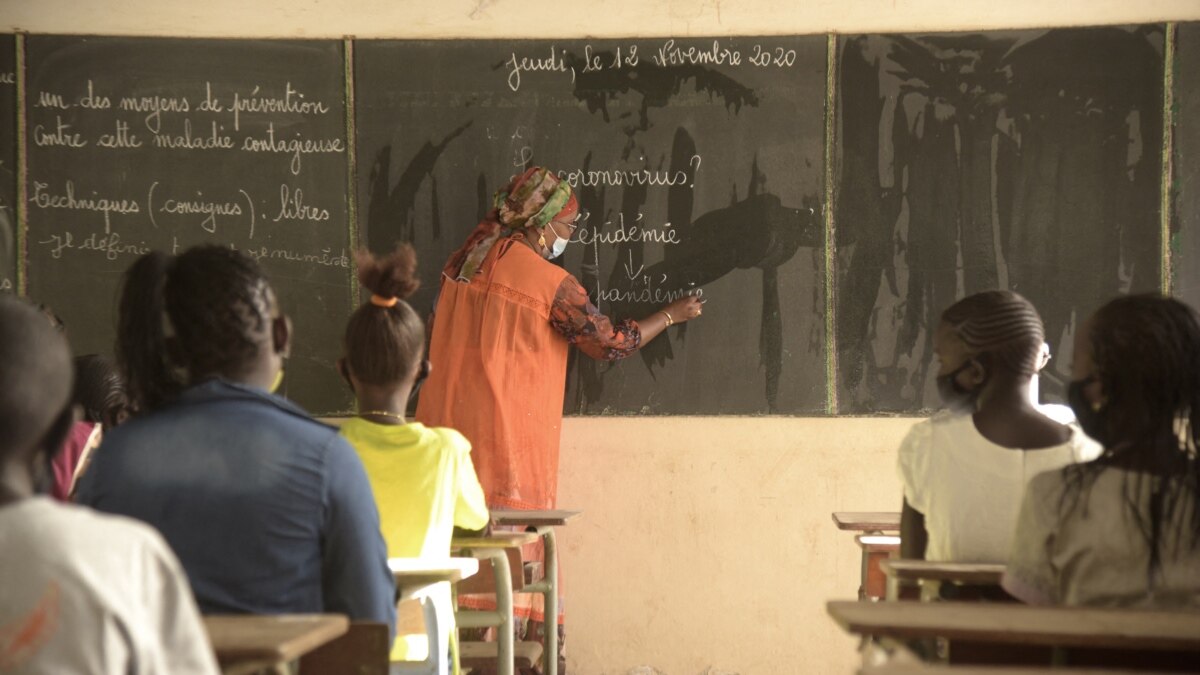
x=629 y=268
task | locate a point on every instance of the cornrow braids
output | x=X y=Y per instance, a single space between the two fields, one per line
x=1002 y=324
x=385 y=338
x=211 y=301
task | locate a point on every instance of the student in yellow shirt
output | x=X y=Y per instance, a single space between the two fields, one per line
x=423 y=479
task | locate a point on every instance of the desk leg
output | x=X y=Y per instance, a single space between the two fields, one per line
x=550 y=607
x=504 y=605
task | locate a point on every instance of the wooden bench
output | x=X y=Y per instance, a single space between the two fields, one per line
x=248 y=643
x=872 y=583
x=932 y=576
x=1137 y=639
x=869 y=522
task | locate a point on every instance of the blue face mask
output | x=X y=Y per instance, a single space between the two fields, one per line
x=557 y=248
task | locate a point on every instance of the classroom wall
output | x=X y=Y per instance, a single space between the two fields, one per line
x=706 y=546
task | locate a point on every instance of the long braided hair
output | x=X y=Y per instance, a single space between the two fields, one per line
x=385 y=338
x=1001 y=324
x=186 y=317
x=1146 y=352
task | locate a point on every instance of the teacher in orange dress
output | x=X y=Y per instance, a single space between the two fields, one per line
x=504 y=320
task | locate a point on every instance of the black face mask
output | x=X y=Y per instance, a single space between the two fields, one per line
x=1091 y=419
x=951 y=392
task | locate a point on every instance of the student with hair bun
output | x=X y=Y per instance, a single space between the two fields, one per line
x=268 y=510
x=964 y=470
x=422 y=477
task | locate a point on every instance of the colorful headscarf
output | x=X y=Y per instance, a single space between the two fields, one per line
x=531 y=200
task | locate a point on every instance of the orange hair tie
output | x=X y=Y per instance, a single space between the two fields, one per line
x=380 y=301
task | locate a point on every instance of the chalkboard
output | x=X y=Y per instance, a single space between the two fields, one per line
x=140 y=144
x=699 y=165
x=8 y=163
x=1185 y=179
x=1027 y=160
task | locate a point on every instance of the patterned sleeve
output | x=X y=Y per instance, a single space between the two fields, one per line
x=578 y=320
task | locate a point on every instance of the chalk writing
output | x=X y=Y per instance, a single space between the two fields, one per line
x=48 y=99
x=292 y=102
x=121 y=138
x=6 y=285
x=108 y=245
x=554 y=62
x=292 y=207
x=657 y=296
x=8 y=78
x=60 y=136
x=44 y=199
x=669 y=54
x=625 y=234
x=618 y=177
x=325 y=258
x=295 y=146
x=156 y=106
x=214 y=140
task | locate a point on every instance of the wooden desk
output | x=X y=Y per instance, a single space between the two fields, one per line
x=932 y=575
x=867 y=521
x=495 y=540
x=248 y=643
x=876 y=548
x=1110 y=629
x=414 y=572
x=556 y=518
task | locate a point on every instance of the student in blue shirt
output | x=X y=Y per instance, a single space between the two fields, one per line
x=268 y=510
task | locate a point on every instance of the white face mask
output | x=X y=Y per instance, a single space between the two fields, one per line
x=557 y=248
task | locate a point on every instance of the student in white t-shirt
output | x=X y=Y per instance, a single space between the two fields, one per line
x=1123 y=530
x=964 y=470
x=79 y=592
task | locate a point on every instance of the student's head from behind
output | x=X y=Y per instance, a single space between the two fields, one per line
x=1136 y=376
x=208 y=312
x=993 y=338
x=35 y=397
x=385 y=339
x=100 y=391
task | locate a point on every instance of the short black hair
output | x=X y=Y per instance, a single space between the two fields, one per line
x=35 y=376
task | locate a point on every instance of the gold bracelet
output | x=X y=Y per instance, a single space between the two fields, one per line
x=667 y=314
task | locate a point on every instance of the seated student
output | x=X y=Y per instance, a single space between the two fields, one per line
x=964 y=470
x=100 y=392
x=1125 y=529
x=79 y=592
x=268 y=510
x=423 y=478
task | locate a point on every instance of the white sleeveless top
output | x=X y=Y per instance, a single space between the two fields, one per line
x=969 y=488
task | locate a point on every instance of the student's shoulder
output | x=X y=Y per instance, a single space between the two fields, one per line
x=79 y=530
x=449 y=439
x=943 y=421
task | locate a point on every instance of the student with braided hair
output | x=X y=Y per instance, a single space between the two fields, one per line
x=423 y=477
x=268 y=510
x=1123 y=530
x=964 y=470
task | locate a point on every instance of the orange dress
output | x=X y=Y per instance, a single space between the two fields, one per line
x=499 y=354
x=499 y=374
